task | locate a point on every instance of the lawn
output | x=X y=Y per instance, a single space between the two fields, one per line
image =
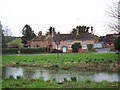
x=37 y=83
x=98 y=62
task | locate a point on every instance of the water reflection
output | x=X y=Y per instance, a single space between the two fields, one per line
x=59 y=75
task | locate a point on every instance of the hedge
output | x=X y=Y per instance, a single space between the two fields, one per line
x=24 y=50
x=9 y=50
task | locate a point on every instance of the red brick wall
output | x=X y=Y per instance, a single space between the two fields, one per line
x=45 y=44
x=66 y=43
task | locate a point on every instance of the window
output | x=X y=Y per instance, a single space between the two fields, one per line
x=58 y=47
x=109 y=43
x=69 y=47
x=84 y=47
x=69 y=41
x=42 y=41
x=38 y=46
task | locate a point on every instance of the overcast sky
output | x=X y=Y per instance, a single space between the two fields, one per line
x=64 y=15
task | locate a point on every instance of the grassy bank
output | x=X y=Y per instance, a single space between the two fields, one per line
x=82 y=62
x=37 y=83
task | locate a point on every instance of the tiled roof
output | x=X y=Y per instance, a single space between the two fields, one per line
x=108 y=38
x=81 y=36
x=40 y=38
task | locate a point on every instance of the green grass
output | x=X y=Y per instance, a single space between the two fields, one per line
x=104 y=57
x=37 y=83
x=66 y=61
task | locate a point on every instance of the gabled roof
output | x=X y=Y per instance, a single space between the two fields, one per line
x=81 y=36
x=40 y=38
x=108 y=38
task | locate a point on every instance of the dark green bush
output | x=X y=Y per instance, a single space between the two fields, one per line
x=11 y=77
x=90 y=47
x=88 y=81
x=19 y=77
x=9 y=50
x=65 y=80
x=117 y=43
x=24 y=50
x=73 y=79
x=54 y=79
x=76 y=46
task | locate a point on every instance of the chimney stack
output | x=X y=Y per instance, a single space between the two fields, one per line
x=48 y=33
x=91 y=29
x=59 y=33
x=52 y=32
x=77 y=28
x=40 y=33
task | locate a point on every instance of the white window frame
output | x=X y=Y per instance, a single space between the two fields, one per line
x=58 y=47
x=84 y=47
x=69 y=46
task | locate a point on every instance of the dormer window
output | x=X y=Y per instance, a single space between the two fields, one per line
x=69 y=41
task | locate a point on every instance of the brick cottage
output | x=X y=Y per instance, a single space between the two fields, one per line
x=65 y=41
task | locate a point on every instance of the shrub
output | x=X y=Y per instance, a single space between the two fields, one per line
x=24 y=50
x=54 y=79
x=65 y=80
x=117 y=43
x=19 y=77
x=10 y=50
x=76 y=46
x=56 y=51
x=90 y=47
x=11 y=77
x=88 y=81
x=73 y=79
x=34 y=50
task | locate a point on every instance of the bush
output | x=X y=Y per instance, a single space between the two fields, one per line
x=24 y=50
x=76 y=46
x=88 y=81
x=90 y=47
x=11 y=77
x=9 y=50
x=56 y=51
x=19 y=77
x=65 y=80
x=117 y=43
x=73 y=79
x=54 y=79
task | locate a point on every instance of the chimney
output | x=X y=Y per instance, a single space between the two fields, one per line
x=91 y=29
x=77 y=28
x=40 y=33
x=58 y=33
x=52 y=32
x=48 y=33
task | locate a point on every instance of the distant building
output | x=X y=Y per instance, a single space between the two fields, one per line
x=108 y=40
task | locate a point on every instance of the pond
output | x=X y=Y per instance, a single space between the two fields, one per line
x=59 y=75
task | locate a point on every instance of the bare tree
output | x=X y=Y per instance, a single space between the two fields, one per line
x=114 y=14
x=7 y=31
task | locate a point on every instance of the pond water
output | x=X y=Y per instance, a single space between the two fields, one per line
x=59 y=75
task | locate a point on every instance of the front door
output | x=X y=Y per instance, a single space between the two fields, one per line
x=64 y=48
